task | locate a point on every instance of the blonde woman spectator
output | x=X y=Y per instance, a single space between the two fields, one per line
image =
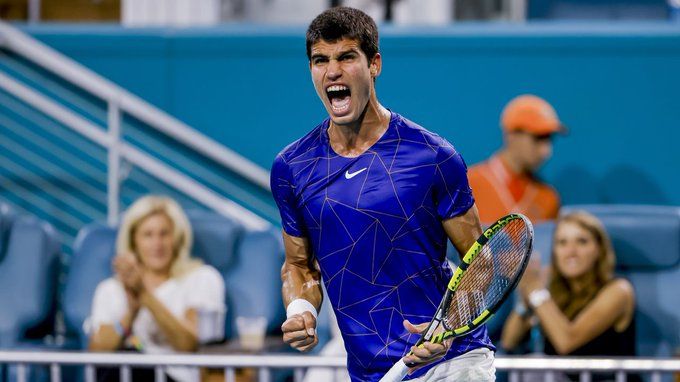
x=159 y=293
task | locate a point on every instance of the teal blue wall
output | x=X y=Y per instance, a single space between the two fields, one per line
x=616 y=87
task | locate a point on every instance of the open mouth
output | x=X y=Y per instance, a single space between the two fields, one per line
x=339 y=97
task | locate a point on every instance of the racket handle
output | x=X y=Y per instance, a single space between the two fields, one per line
x=396 y=373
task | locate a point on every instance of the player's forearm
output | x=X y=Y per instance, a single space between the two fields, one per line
x=300 y=277
x=301 y=283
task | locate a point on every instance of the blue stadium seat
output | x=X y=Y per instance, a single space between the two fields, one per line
x=543 y=233
x=647 y=244
x=254 y=280
x=28 y=280
x=215 y=238
x=7 y=216
x=90 y=263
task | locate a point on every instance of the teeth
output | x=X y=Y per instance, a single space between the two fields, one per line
x=336 y=88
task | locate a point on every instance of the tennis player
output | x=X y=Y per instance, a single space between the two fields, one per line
x=367 y=201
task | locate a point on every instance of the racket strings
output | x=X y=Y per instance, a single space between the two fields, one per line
x=489 y=275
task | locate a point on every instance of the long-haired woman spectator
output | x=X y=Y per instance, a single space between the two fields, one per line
x=585 y=310
x=159 y=292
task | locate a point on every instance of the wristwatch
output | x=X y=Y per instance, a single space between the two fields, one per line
x=538 y=297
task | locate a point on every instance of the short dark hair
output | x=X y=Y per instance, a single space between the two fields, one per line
x=344 y=22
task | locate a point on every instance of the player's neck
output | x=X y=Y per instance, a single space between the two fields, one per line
x=354 y=139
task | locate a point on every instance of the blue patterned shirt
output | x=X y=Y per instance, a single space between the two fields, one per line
x=374 y=223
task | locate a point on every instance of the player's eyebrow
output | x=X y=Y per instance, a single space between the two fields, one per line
x=348 y=52
x=318 y=55
x=339 y=55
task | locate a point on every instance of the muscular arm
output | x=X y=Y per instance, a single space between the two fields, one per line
x=299 y=275
x=301 y=280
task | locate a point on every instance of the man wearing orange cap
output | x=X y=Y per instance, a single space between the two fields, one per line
x=507 y=181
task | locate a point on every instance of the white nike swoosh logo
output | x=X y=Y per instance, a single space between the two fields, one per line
x=350 y=175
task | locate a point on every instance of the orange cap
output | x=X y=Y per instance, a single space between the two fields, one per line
x=531 y=114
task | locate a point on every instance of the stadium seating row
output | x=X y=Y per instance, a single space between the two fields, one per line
x=646 y=240
x=249 y=261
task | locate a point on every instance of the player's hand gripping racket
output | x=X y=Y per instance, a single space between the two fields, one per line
x=490 y=270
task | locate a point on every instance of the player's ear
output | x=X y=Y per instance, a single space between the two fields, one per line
x=376 y=65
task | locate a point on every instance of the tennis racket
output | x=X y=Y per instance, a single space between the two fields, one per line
x=488 y=273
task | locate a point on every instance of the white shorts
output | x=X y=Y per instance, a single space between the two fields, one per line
x=473 y=366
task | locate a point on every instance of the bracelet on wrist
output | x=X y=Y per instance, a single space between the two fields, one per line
x=118 y=327
x=538 y=297
x=122 y=331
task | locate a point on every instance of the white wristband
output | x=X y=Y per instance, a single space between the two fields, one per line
x=299 y=306
x=538 y=297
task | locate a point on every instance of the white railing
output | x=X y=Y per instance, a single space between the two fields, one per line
x=299 y=364
x=121 y=101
